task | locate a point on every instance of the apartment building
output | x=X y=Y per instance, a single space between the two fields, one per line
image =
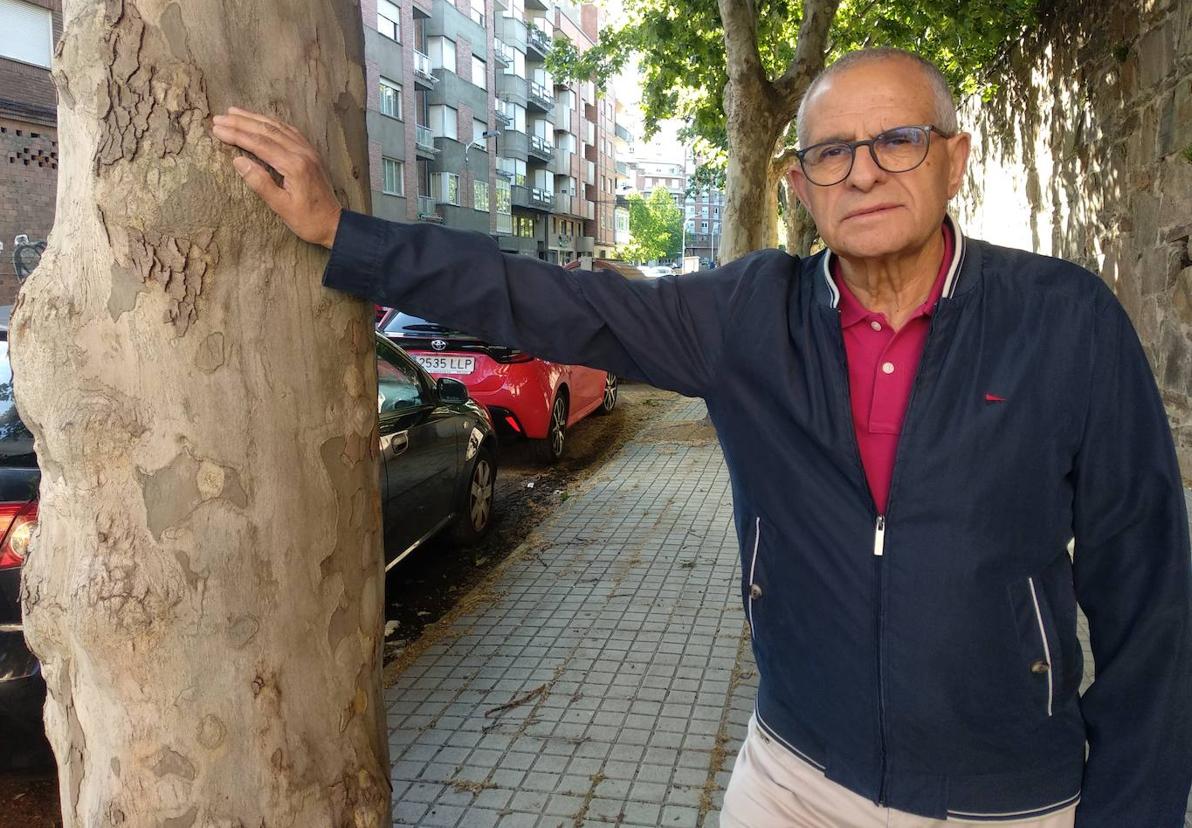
x=467 y=127
x=623 y=149
x=703 y=214
x=28 y=132
x=648 y=176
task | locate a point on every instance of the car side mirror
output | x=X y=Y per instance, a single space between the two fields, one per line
x=452 y=391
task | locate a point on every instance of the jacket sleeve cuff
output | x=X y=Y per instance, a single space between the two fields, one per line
x=355 y=255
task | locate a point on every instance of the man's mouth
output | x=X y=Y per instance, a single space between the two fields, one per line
x=876 y=209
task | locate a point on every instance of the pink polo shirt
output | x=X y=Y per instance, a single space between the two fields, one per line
x=881 y=370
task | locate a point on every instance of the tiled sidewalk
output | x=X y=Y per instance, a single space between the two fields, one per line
x=609 y=681
x=607 y=678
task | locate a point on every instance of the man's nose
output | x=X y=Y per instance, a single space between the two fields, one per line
x=865 y=172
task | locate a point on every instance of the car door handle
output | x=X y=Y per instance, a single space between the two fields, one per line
x=394 y=444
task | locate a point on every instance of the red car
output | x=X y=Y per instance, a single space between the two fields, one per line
x=526 y=396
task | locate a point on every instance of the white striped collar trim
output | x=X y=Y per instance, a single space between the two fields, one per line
x=950 y=281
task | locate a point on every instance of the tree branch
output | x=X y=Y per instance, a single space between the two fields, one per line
x=739 y=21
x=810 y=52
x=783 y=162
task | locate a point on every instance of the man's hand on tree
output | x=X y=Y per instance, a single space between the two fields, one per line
x=305 y=201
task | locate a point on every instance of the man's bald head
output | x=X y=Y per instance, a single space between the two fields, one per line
x=900 y=60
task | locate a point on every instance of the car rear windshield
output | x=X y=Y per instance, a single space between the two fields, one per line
x=404 y=323
x=16 y=443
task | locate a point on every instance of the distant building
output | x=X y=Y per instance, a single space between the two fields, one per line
x=28 y=130
x=703 y=229
x=468 y=129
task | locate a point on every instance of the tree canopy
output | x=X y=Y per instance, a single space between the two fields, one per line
x=655 y=227
x=681 y=52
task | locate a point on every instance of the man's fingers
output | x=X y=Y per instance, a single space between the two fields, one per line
x=271 y=124
x=260 y=182
x=266 y=147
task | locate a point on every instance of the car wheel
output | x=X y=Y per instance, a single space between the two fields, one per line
x=551 y=449
x=475 y=515
x=610 y=395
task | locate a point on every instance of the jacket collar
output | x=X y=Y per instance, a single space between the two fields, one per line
x=957 y=279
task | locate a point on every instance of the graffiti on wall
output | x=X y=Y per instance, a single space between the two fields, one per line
x=26 y=255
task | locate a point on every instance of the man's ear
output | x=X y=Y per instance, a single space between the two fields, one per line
x=959 y=147
x=799 y=185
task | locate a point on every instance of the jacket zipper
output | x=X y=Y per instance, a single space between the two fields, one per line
x=757 y=536
x=1046 y=646
x=881 y=524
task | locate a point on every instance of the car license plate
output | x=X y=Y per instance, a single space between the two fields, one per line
x=447 y=364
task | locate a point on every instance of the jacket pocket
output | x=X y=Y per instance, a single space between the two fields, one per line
x=1042 y=658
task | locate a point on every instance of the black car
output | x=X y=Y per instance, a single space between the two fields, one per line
x=438 y=452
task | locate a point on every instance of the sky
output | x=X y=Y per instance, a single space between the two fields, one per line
x=665 y=145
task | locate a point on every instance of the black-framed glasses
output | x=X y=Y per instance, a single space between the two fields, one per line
x=896 y=150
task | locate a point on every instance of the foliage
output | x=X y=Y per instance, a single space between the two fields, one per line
x=655 y=228
x=681 y=54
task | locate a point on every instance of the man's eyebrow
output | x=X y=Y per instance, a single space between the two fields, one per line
x=831 y=139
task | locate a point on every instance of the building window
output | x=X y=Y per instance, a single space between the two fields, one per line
x=395 y=177
x=388 y=20
x=445 y=188
x=478 y=13
x=444 y=122
x=442 y=53
x=390 y=98
x=26 y=33
x=478 y=129
x=703 y=227
x=479 y=72
x=523 y=226
x=480 y=195
x=504 y=197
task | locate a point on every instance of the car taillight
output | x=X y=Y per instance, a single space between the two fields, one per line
x=17 y=522
x=509 y=355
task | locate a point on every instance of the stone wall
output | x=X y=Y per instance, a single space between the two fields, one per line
x=1085 y=152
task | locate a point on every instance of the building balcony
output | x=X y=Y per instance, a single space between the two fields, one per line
x=623 y=134
x=562 y=241
x=426 y=210
x=561 y=165
x=589 y=172
x=502 y=52
x=540 y=5
x=589 y=210
x=537 y=40
x=541 y=198
x=585 y=244
x=424 y=141
x=531 y=198
x=538 y=96
x=563 y=203
x=422 y=71
x=588 y=131
x=541 y=148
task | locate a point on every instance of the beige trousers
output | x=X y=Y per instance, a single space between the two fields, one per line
x=772 y=788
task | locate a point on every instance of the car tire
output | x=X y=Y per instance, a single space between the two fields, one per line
x=612 y=390
x=550 y=450
x=474 y=518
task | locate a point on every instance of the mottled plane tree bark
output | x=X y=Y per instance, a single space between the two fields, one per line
x=205 y=589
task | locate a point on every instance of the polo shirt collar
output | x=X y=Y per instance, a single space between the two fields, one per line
x=947 y=285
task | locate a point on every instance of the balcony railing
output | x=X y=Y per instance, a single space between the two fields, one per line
x=422 y=70
x=539 y=96
x=563 y=203
x=589 y=172
x=424 y=139
x=502 y=52
x=585 y=244
x=542 y=198
x=426 y=209
x=537 y=40
x=541 y=148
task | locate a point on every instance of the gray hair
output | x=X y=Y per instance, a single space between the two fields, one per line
x=945 y=107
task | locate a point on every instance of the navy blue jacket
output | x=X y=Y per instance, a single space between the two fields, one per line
x=926 y=659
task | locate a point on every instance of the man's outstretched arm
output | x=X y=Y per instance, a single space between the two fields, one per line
x=668 y=332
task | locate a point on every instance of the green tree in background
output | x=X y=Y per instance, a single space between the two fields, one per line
x=655 y=228
x=734 y=71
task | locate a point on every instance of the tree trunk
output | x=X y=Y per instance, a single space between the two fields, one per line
x=206 y=588
x=750 y=198
x=801 y=232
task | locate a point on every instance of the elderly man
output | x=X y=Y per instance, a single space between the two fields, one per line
x=916 y=425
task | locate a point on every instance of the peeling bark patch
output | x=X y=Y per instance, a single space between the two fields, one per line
x=185 y=821
x=148 y=100
x=169 y=762
x=211 y=732
x=243 y=630
x=174 y=491
x=178 y=265
x=211 y=353
x=125 y=289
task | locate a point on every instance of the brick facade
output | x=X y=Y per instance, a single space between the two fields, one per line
x=28 y=155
